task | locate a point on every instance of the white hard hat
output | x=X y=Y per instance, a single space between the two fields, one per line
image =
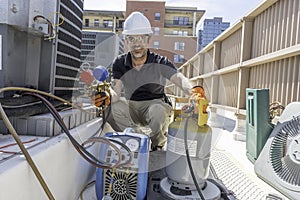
x=137 y=24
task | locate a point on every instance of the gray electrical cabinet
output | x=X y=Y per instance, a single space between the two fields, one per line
x=258 y=123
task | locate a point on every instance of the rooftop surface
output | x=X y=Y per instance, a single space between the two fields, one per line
x=232 y=166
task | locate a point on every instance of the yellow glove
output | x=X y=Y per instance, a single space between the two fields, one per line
x=101 y=99
x=197 y=93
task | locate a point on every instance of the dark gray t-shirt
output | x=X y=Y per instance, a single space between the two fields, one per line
x=147 y=83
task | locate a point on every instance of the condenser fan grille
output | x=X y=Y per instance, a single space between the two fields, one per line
x=285 y=152
x=123 y=185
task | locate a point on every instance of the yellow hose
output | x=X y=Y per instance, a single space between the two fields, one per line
x=19 y=142
x=17 y=139
x=25 y=152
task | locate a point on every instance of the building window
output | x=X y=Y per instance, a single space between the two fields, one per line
x=96 y=22
x=156 y=44
x=178 y=58
x=179 y=46
x=107 y=23
x=157 y=16
x=87 y=22
x=121 y=24
x=178 y=20
x=182 y=33
x=156 y=30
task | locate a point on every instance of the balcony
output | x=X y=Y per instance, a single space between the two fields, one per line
x=178 y=23
x=103 y=26
x=171 y=33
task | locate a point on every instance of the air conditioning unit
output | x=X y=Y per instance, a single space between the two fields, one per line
x=20 y=13
x=47 y=64
x=279 y=162
x=43 y=28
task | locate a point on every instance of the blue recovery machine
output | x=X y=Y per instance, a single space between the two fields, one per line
x=126 y=181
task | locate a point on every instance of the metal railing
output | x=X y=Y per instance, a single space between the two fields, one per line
x=262 y=50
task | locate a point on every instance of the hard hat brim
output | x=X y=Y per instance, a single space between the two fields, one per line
x=138 y=31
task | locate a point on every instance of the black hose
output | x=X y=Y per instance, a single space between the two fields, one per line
x=189 y=159
x=104 y=120
x=63 y=126
x=224 y=190
x=83 y=152
x=98 y=139
x=105 y=117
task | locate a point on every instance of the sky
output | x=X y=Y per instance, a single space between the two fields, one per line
x=230 y=10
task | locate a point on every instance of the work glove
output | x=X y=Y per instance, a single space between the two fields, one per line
x=101 y=99
x=197 y=93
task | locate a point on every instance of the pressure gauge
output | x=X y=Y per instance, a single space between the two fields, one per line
x=132 y=144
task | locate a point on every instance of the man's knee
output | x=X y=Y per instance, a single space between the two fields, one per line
x=158 y=112
x=117 y=113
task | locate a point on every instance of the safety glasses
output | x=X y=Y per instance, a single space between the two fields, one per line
x=137 y=38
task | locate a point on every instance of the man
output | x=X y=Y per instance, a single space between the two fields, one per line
x=141 y=76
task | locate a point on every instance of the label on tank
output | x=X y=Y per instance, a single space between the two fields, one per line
x=176 y=145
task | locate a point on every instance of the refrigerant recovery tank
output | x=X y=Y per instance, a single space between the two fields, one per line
x=199 y=146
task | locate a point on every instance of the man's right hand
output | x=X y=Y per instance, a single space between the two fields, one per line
x=101 y=99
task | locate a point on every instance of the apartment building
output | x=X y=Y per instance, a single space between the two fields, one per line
x=101 y=39
x=104 y=21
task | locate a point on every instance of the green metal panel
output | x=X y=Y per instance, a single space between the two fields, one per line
x=258 y=125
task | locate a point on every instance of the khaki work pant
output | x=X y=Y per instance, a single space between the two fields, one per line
x=154 y=114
